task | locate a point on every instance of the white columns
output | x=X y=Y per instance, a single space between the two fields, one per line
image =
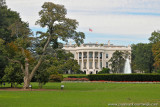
x=93 y=60
x=87 y=60
x=78 y=57
x=82 y=61
x=102 y=59
x=75 y=55
x=99 y=60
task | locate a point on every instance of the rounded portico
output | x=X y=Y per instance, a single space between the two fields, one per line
x=90 y=61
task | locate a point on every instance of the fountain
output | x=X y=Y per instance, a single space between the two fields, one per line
x=127 y=67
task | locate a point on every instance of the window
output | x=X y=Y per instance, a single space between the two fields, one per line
x=90 y=55
x=101 y=55
x=85 y=55
x=80 y=55
x=106 y=55
x=96 y=54
x=106 y=64
x=84 y=65
x=101 y=64
x=96 y=65
x=90 y=65
x=80 y=64
x=96 y=72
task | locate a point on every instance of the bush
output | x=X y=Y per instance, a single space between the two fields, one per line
x=104 y=71
x=124 y=77
x=56 y=78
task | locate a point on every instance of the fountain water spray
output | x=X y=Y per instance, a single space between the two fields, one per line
x=127 y=67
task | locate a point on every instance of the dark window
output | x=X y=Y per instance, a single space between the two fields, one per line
x=80 y=55
x=106 y=64
x=106 y=55
x=101 y=55
x=96 y=72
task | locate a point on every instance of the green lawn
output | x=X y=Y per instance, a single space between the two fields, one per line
x=66 y=75
x=83 y=95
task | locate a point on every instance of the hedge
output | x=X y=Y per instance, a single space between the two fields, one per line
x=124 y=77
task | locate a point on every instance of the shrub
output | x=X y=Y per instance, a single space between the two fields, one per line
x=56 y=78
x=124 y=77
x=104 y=71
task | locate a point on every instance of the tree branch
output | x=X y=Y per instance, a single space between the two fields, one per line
x=40 y=59
x=22 y=68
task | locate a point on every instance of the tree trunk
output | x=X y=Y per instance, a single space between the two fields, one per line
x=26 y=75
x=26 y=82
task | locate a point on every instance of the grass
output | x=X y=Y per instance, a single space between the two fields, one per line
x=83 y=95
x=66 y=75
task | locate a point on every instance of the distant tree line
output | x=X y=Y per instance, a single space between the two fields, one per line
x=145 y=57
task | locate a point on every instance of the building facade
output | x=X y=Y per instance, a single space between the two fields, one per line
x=92 y=57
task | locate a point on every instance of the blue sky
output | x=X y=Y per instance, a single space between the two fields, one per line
x=123 y=22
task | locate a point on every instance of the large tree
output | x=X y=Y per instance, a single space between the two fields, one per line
x=53 y=17
x=7 y=17
x=117 y=61
x=155 y=37
x=13 y=74
x=155 y=41
x=61 y=62
x=142 y=57
x=156 y=54
x=3 y=61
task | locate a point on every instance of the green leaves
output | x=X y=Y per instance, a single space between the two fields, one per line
x=155 y=37
x=13 y=74
x=117 y=62
x=155 y=40
x=51 y=13
x=142 y=58
x=53 y=17
x=156 y=54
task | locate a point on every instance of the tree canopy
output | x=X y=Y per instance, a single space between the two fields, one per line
x=30 y=52
x=142 y=57
x=155 y=37
x=117 y=61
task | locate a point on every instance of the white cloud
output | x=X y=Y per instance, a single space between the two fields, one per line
x=136 y=18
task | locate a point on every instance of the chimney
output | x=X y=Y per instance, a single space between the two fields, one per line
x=108 y=42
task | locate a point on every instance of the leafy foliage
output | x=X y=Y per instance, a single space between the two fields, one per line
x=3 y=61
x=142 y=57
x=13 y=74
x=56 y=78
x=53 y=16
x=117 y=62
x=104 y=71
x=61 y=62
x=155 y=40
x=42 y=77
x=156 y=54
x=155 y=37
x=7 y=17
x=29 y=52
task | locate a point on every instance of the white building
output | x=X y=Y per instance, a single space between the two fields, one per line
x=92 y=57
